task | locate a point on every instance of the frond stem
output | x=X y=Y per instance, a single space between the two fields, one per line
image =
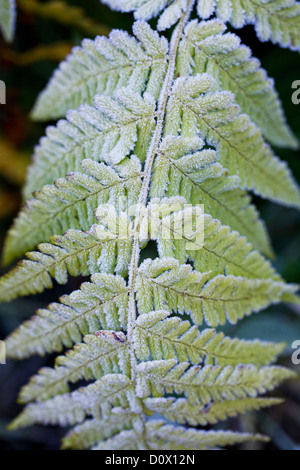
x=152 y=152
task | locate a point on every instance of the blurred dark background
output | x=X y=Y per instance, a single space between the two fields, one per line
x=44 y=36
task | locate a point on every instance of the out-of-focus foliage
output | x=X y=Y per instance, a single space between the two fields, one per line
x=65 y=14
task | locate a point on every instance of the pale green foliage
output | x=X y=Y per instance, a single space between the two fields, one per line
x=100 y=304
x=207 y=48
x=240 y=147
x=7 y=18
x=206 y=384
x=161 y=436
x=105 y=132
x=181 y=168
x=163 y=283
x=102 y=66
x=183 y=412
x=99 y=355
x=163 y=153
x=72 y=198
x=275 y=20
x=158 y=337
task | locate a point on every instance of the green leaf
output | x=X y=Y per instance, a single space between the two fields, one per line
x=107 y=132
x=183 y=412
x=101 y=304
x=165 y=284
x=195 y=108
x=101 y=354
x=102 y=66
x=206 y=48
x=158 y=336
x=71 y=202
x=180 y=168
x=208 y=383
x=96 y=399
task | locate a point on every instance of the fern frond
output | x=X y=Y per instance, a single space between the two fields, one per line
x=106 y=132
x=94 y=400
x=101 y=304
x=7 y=18
x=164 y=154
x=207 y=48
x=182 y=168
x=165 y=284
x=163 y=436
x=194 y=109
x=71 y=202
x=208 y=383
x=275 y=20
x=218 y=249
x=92 y=431
x=101 y=67
x=159 y=435
x=75 y=253
x=100 y=354
x=183 y=412
x=158 y=336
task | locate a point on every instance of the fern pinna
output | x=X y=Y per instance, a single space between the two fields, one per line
x=158 y=137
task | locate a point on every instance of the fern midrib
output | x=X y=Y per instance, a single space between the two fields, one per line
x=152 y=151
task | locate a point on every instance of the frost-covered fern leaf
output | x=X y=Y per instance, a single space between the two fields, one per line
x=114 y=128
x=194 y=108
x=7 y=18
x=157 y=335
x=164 y=283
x=275 y=20
x=99 y=305
x=207 y=48
x=71 y=202
x=182 y=168
x=205 y=384
x=107 y=132
x=157 y=154
x=183 y=412
x=102 y=66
